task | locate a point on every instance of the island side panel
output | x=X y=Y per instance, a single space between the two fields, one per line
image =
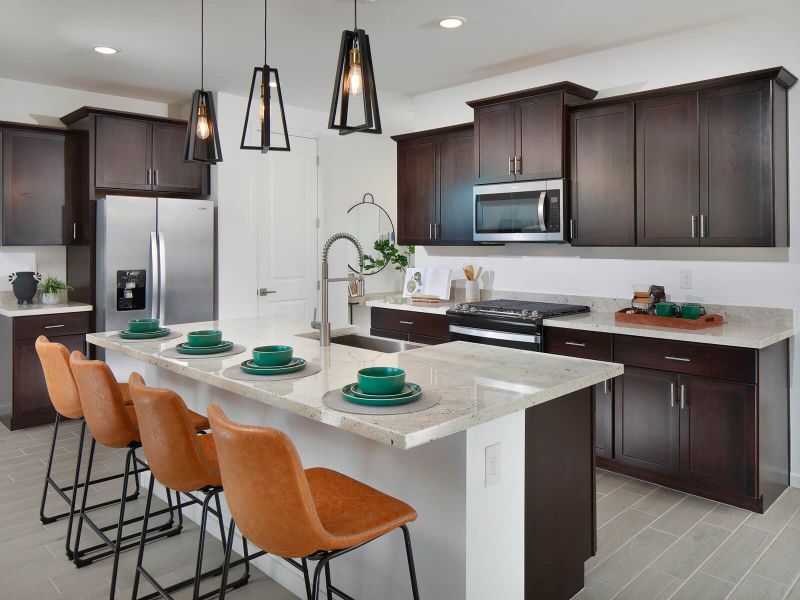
x=496 y=511
x=431 y=478
x=559 y=495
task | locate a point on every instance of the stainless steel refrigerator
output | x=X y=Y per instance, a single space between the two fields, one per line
x=155 y=258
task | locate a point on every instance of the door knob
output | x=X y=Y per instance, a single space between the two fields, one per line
x=265 y=291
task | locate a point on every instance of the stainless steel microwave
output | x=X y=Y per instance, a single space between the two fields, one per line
x=527 y=211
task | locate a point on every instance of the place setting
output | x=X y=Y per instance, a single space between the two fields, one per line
x=381 y=391
x=145 y=330
x=276 y=362
x=203 y=344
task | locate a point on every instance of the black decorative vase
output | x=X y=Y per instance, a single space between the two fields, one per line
x=24 y=285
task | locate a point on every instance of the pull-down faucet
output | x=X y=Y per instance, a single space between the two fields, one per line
x=324 y=323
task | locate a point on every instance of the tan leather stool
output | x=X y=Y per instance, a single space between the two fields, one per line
x=184 y=462
x=113 y=423
x=65 y=399
x=312 y=514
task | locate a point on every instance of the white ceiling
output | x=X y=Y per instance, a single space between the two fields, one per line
x=50 y=41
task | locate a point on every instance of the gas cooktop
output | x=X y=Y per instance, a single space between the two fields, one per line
x=521 y=310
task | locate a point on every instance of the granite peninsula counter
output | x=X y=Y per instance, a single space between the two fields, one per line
x=475 y=538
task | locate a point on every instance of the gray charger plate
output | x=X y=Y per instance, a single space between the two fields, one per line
x=173 y=353
x=333 y=399
x=235 y=372
x=170 y=336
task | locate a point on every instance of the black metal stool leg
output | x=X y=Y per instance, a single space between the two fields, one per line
x=77 y=546
x=121 y=524
x=411 y=570
x=143 y=539
x=328 y=584
x=223 y=586
x=306 y=578
x=44 y=519
x=315 y=584
x=201 y=546
x=75 y=483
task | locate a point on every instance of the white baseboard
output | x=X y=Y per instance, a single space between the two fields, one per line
x=794 y=480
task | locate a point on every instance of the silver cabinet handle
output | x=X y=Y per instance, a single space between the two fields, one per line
x=683 y=396
x=74 y=230
x=606 y=386
x=430 y=230
x=518 y=165
x=694 y=226
x=672 y=394
x=406 y=322
x=511 y=165
x=678 y=358
x=155 y=177
x=149 y=176
x=52 y=326
x=702 y=226
x=579 y=344
x=572 y=228
x=438 y=230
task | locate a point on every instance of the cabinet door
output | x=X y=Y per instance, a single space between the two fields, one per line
x=170 y=172
x=31 y=402
x=540 y=133
x=416 y=190
x=495 y=143
x=647 y=420
x=718 y=433
x=454 y=172
x=604 y=419
x=667 y=165
x=736 y=165
x=602 y=172
x=123 y=154
x=35 y=209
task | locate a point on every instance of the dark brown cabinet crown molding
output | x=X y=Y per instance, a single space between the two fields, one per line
x=579 y=92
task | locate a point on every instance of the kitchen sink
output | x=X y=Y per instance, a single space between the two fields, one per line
x=371 y=343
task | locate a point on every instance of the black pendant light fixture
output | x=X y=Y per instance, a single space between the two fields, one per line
x=202 y=136
x=354 y=106
x=265 y=121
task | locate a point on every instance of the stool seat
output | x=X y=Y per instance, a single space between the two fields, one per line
x=126 y=393
x=351 y=512
x=209 y=450
x=199 y=422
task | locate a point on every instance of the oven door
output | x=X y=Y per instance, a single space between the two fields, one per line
x=530 y=211
x=491 y=337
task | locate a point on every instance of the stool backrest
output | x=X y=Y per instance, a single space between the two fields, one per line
x=266 y=488
x=102 y=402
x=169 y=440
x=58 y=376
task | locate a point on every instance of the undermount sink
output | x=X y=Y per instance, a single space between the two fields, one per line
x=370 y=343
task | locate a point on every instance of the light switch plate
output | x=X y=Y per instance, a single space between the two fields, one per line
x=686 y=279
x=492 y=464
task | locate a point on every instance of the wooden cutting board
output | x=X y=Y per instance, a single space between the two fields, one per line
x=704 y=322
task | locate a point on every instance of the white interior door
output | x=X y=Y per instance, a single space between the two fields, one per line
x=287 y=232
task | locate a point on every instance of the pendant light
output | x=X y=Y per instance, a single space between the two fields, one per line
x=354 y=106
x=265 y=109
x=202 y=135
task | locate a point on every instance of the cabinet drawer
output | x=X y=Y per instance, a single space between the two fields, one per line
x=417 y=323
x=580 y=344
x=51 y=325
x=720 y=362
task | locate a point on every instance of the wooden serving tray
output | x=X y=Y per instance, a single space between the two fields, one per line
x=703 y=322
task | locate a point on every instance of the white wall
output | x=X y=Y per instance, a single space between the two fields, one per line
x=25 y=102
x=765 y=277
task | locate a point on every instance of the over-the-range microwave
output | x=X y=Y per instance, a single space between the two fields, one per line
x=527 y=211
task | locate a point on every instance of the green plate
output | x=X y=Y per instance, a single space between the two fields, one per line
x=385 y=401
x=184 y=348
x=354 y=390
x=251 y=368
x=149 y=335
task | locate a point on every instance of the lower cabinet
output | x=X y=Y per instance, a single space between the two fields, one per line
x=409 y=326
x=24 y=400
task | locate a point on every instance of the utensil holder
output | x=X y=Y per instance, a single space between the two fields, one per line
x=472 y=291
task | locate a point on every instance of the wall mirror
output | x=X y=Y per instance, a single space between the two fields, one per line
x=368 y=222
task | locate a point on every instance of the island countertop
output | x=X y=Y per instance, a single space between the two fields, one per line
x=476 y=383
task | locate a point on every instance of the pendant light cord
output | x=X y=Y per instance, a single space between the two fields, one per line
x=355 y=14
x=265 y=32
x=202 y=43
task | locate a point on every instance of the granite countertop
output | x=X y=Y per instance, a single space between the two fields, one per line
x=10 y=308
x=397 y=302
x=477 y=383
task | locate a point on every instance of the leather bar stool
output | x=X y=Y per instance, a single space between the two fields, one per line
x=182 y=461
x=113 y=423
x=64 y=396
x=312 y=514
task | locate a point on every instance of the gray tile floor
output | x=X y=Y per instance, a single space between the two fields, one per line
x=654 y=543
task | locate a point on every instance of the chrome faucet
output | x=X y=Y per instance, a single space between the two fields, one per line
x=324 y=325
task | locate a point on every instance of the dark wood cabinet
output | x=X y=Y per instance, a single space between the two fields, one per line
x=35 y=188
x=411 y=326
x=170 y=172
x=602 y=181
x=540 y=137
x=24 y=400
x=434 y=187
x=667 y=171
x=124 y=154
x=495 y=143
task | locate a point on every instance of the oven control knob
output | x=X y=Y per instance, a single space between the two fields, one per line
x=526 y=314
x=473 y=309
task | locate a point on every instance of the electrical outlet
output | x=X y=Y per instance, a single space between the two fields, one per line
x=686 y=279
x=492 y=464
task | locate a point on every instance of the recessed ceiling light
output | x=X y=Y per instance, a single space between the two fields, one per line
x=452 y=22
x=105 y=50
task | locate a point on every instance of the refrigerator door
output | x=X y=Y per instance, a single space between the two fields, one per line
x=126 y=226
x=186 y=258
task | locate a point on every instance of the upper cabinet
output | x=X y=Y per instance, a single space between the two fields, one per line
x=138 y=154
x=708 y=165
x=434 y=186
x=35 y=187
x=521 y=136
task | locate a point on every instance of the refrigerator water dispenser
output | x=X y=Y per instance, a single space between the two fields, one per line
x=131 y=290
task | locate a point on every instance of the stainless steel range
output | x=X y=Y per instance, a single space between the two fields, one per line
x=510 y=323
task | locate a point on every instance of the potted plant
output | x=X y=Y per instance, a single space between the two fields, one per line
x=52 y=288
x=390 y=255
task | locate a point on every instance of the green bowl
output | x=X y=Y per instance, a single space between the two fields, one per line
x=143 y=325
x=381 y=380
x=202 y=339
x=272 y=356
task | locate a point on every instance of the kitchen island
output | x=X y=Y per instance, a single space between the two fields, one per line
x=520 y=529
